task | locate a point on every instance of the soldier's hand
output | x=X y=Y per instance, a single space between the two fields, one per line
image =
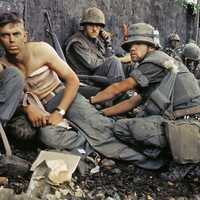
x=106 y=35
x=55 y=118
x=37 y=117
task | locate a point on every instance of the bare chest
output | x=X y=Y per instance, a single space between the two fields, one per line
x=27 y=67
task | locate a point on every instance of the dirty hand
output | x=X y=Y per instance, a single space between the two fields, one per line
x=106 y=36
x=37 y=117
x=55 y=118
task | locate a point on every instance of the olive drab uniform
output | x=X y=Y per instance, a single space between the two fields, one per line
x=92 y=129
x=92 y=57
x=97 y=131
x=167 y=86
x=96 y=50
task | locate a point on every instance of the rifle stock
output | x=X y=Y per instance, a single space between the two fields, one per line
x=54 y=37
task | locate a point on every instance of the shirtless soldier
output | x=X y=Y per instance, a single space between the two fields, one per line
x=46 y=99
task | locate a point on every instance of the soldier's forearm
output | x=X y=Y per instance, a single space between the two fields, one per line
x=70 y=91
x=107 y=94
x=123 y=106
x=113 y=90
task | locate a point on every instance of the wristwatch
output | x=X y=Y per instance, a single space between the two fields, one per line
x=60 y=111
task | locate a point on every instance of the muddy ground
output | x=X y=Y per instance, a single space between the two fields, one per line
x=123 y=181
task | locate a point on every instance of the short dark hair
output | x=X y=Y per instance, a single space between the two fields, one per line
x=10 y=17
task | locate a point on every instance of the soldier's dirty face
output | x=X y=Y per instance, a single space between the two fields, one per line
x=13 y=37
x=92 y=30
x=138 y=51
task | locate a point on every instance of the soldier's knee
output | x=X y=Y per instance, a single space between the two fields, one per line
x=115 y=62
x=47 y=135
x=120 y=128
x=20 y=128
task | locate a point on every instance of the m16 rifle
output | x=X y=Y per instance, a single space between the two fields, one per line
x=54 y=37
x=25 y=14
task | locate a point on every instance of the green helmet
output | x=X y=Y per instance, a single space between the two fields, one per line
x=93 y=16
x=191 y=51
x=144 y=33
x=174 y=37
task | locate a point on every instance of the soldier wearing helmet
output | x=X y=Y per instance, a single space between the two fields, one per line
x=174 y=40
x=191 y=57
x=93 y=16
x=174 y=47
x=90 y=52
x=154 y=80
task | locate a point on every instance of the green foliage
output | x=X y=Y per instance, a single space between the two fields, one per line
x=193 y=6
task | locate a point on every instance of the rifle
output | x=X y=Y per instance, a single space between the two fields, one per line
x=25 y=14
x=54 y=37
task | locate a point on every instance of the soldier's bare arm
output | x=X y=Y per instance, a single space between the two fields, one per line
x=53 y=61
x=123 y=106
x=113 y=90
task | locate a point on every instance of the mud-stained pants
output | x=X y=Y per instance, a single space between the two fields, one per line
x=146 y=135
x=98 y=132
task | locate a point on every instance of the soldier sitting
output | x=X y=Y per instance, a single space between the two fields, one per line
x=167 y=92
x=89 y=51
x=48 y=102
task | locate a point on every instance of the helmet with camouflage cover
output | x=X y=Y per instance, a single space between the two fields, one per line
x=93 y=15
x=174 y=37
x=191 y=51
x=144 y=33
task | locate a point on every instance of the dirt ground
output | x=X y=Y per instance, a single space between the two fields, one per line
x=123 y=181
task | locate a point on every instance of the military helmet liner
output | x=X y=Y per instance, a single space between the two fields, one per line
x=191 y=51
x=174 y=37
x=143 y=33
x=93 y=15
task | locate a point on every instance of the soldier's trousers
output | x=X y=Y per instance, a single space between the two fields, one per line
x=146 y=135
x=11 y=92
x=98 y=132
x=112 y=69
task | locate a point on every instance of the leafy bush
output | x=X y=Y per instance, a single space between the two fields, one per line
x=191 y=4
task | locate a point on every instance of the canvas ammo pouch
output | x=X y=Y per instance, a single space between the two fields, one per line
x=184 y=140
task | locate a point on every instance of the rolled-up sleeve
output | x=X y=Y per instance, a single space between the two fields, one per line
x=140 y=78
x=147 y=73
